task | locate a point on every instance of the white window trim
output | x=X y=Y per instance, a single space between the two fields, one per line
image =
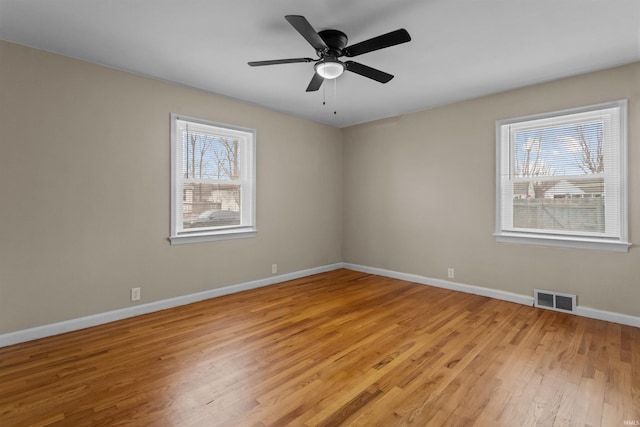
x=503 y=162
x=179 y=236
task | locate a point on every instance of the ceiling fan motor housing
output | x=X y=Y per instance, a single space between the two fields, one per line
x=335 y=41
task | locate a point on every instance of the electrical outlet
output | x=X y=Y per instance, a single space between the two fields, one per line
x=135 y=294
x=451 y=273
x=274 y=268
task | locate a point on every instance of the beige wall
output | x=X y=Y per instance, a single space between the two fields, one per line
x=420 y=197
x=84 y=190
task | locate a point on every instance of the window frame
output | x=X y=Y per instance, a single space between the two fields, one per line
x=581 y=240
x=247 y=227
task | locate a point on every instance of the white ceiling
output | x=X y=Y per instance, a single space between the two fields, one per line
x=460 y=49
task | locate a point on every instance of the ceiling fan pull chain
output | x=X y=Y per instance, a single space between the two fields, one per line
x=335 y=94
x=324 y=93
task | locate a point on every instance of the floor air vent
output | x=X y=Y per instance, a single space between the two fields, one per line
x=554 y=301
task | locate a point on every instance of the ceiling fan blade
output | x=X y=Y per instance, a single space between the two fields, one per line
x=280 y=61
x=366 y=71
x=305 y=29
x=385 y=40
x=315 y=83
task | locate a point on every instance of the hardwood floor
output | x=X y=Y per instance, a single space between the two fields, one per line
x=340 y=348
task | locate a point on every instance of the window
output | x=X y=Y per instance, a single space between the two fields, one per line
x=561 y=178
x=212 y=181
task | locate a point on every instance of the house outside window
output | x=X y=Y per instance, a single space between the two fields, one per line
x=561 y=178
x=212 y=181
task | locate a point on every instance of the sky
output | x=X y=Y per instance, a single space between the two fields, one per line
x=555 y=151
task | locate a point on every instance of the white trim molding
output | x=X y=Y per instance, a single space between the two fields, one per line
x=137 y=310
x=445 y=284
x=592 y=313
x=123 y=313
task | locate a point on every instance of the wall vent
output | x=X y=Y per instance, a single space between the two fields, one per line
x=554 y=301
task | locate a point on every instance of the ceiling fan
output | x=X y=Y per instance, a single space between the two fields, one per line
x=331 y=45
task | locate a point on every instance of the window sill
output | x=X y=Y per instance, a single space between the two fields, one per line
x=210 y=237
x=560 y=241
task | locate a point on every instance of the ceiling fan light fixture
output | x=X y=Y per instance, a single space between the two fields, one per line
x=329 y=68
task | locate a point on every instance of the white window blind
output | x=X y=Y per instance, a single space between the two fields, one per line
x=561 y=178
x=213 y=181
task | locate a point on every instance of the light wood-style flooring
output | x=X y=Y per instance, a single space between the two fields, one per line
x=339 y=348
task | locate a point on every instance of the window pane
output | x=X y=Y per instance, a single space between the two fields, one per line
x=560 y=205
x=211 y=179
x=211 y=215
x=207 y=156
x=575 y=149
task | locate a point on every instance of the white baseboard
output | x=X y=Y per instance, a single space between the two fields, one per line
x=123 y=313
x=623 y=319
x=439 y=283
x=609 y=316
